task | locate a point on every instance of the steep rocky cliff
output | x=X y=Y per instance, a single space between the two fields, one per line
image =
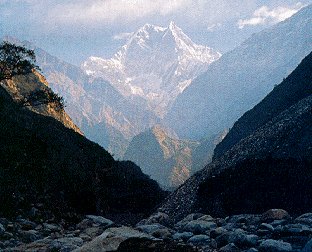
x=21 y=86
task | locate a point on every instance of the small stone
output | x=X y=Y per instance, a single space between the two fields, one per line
x=51 y=227
x=30 y=236
x=198 y=226
x=229 y=248
x=252 y=250
x=187 y=219
x=199 y=240
x=275 y=246
x=100 y=220
x=163 y=233
x=206 y=218
x=2 y=229
x=159 y=217
x=266 y=226
x=93 y=231
x=218 y=231
x=182 y=236
x=66 y=244
x=150 y=228
x=26 y=224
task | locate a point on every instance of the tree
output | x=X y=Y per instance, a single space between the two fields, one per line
x=41 y=97
x=15 y=60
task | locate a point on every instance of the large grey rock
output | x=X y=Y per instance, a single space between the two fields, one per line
x=241 y=239
x=26 y=224
x=275 y=246
x=66 y=244
x=99 y=220
x=199 y=240
x=217 y=232
x=265 y=226
x=30 y=236
x=198 y=226
x=111 y=239
x=163 y=233
x=188 y=218
x=150 y=228
x=274 y=214
x=159 y=217
x=229 y=248
x=305 y=219
x=182 y=236
x=206 y=218
x=51 y=227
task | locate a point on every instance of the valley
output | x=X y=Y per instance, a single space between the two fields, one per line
x=165 y=143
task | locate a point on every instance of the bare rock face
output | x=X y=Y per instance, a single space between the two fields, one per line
x=19 y=87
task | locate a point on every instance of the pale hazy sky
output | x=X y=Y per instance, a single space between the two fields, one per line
x=76 y=29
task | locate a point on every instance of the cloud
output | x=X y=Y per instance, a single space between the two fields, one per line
x=123 y=36
x=111 y=10
x=265 y=15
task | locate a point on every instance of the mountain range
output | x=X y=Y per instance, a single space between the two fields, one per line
x=160 y=77
x=154 y=66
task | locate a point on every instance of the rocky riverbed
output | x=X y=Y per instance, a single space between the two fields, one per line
x=274 y=230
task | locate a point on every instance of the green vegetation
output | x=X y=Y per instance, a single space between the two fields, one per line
x=40 y=97
x=15 y=60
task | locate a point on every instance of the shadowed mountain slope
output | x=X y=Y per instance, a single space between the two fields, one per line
x=269 y=168
x=44 y=162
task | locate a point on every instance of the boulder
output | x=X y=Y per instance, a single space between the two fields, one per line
x=159 y=217
x=30 y=236
x=229 y=248
x=163 y=233
x=206 y=218
x=111 y=239
x=146 y=245
x=305 y=219
x=26 y=224
x=199 y=240
x=188 y=218
x=182 y=236
x=198 y=227
x=241 y=239
x=65 y=244
x=217 y=232
x=307 y=247
x=265 y=226
x=275 y=246
x=274 y=214
x=51 y=228
x=99 y=220
x=150 y=228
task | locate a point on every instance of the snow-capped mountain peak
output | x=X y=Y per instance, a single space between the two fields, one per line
x=156 y=64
